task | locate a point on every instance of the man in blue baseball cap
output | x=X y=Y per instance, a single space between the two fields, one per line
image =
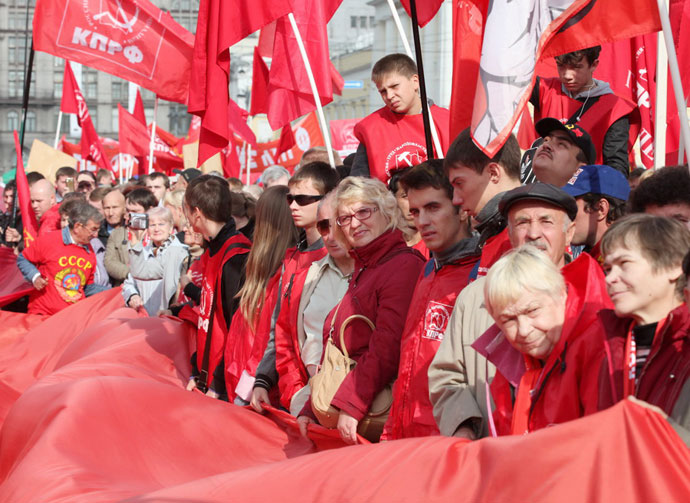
x=600 y=193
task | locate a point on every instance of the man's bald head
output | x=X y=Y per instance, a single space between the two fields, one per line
x=42 y=197
x=114 y=208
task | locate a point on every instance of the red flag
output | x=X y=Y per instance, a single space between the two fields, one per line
x=290 y=94
x=221 y=23
x=237 y=122
x=135 y=139
x=139 y=109
x=287 y=140
x=24 y=198
x=426 y=9
x=338 y=81
x=468 y=30
x=259 y=98
x=132 y=39
x=266 y=39
x=510 y=51
x=231 y=161
x=73 y=103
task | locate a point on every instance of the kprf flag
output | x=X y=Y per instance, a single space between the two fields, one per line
x=517 y=33
x=220 y=24
x=132 y=39
x=24 y=198
x=73 y=103
x=290 y=94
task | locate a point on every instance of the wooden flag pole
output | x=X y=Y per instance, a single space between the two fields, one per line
x=314 y=90
x=153 y=133
x=248 y=163
x=684 y=136
x=408 y=51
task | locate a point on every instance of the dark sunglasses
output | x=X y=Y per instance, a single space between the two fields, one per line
x=323 y=226
x=302 y=199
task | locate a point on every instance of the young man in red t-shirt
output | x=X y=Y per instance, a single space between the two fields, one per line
x=61 y=264
x=392 y=137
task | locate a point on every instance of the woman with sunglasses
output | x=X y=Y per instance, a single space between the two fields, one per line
x=371 y=225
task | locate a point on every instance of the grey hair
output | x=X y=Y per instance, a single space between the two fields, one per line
x=82 y=212
x=161 y=212
x=273 y=173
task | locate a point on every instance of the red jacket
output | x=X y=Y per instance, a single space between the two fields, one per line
x=567 y=386
x=292 y=373
x=68 y=269
x=380 y=289
x=430 y=309
x=210 y=294
x=395 y=141
x=668 y=364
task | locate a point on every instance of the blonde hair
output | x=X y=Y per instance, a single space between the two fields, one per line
x=274 y=233
x=524 y=269
x=174 y=198
x=356 y=189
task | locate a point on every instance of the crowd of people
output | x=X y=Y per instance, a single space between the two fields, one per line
x=392 y=297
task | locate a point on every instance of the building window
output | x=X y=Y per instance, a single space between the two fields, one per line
x=362 y=21
x=64 y=124
x=12 y=120
x=31 y=121
x=372 y=22
x=15 y=46
x=57 y=84
x=353 y=21
x=116 y=88
x=89 y=84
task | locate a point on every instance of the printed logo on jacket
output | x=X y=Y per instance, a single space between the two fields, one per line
x=70 y=281
x=436 y=320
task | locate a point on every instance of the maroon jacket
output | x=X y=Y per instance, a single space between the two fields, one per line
x=668 y=365
x=381 y=288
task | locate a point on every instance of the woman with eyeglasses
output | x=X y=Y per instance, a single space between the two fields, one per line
x=371 y=225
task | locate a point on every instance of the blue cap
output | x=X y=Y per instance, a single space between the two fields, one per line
x=598 y=179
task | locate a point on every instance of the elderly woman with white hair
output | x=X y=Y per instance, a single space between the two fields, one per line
x=156 y=263
x=547 y=343
x=370 y=224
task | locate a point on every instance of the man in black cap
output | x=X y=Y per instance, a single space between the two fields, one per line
x=565 y=147
x=184 y=177
x=538 y=214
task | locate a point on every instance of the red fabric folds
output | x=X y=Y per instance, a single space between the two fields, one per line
x=13 y=285
x=290 y=95
x=220 y=24
x=426 y=9
x=259 y=98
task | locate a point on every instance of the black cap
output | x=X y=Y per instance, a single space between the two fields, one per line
x=540 y=192
x=577 y=135
x=188 y=174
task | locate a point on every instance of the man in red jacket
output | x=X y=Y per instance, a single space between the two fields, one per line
x=306 y=188
x=392 y=137
x=446 y=232
x=61 y=264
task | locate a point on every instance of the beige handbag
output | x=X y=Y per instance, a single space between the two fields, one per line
x=332 y=373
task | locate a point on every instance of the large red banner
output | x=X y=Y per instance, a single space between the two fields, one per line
x=132 y=39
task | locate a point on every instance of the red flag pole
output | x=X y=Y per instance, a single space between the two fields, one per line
x=314 y=90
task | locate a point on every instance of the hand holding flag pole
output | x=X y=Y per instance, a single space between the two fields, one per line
x=314 y=90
